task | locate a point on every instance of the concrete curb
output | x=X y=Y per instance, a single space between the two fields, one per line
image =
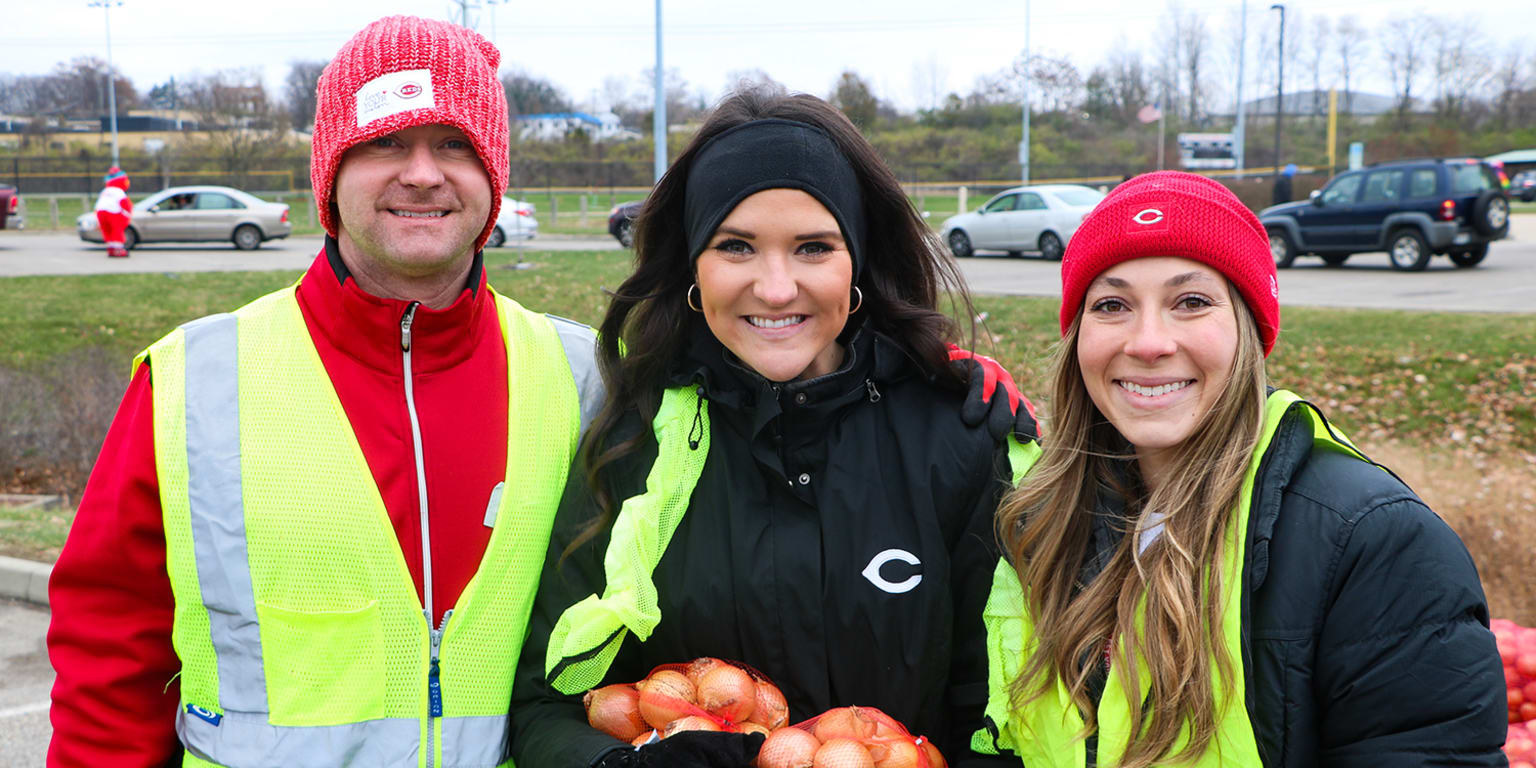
x=24 y=580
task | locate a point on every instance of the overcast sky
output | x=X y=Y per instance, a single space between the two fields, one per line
x=898 y=45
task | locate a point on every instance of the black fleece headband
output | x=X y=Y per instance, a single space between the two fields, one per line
x=771 y=154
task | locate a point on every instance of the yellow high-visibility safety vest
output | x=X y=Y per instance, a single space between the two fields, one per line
x=1045 y=732
x=300 y=633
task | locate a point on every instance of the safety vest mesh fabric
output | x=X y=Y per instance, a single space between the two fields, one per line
x=588 y=634
x=301 y=636
x=1045 y=732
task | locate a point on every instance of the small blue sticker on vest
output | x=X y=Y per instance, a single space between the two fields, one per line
x=203 y=714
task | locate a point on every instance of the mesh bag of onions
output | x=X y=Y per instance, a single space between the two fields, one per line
x=706 y=694
x=1517 y=650
x=848 y=737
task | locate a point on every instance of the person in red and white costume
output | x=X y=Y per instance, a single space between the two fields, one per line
x=408 y=193
x=113 y=209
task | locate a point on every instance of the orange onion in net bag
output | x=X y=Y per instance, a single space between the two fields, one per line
x=689 y=723
x=788 y=748
x=897 y=753
x=727 y=692
x=665 y=696
x=844 y=723
x=843 y=753
x=699 y=666
x=771 y=710
x=935 y=759
x=615 y=710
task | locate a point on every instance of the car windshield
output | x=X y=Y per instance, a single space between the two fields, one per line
x=1078 y=197
x=1470 y=178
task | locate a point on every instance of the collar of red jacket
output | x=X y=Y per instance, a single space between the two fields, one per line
x=367 y=327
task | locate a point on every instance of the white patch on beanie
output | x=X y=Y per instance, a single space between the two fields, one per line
x=394 y=93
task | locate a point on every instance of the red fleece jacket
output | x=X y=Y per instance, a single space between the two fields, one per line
x=115 y=698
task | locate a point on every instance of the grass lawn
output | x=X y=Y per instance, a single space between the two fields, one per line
x=1445 y=395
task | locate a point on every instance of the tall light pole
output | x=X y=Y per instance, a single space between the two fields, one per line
x=659 y=114
x=1240 y=133
x=1024 y=142
x=1279 y=83
x=106 y=12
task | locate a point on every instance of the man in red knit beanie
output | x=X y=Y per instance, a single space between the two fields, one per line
x=312 y=537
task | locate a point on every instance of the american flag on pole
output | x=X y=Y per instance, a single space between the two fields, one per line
x=1148 y=114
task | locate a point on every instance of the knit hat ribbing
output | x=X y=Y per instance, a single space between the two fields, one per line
x=400 y=72
x=1171 y=213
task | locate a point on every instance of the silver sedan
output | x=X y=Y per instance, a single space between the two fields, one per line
x=203 y=213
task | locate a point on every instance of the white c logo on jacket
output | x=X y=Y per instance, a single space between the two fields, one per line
x=872 y=571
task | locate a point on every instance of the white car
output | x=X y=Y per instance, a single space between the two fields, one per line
x=201 y=213
x=1037 y=218
x=515 y=222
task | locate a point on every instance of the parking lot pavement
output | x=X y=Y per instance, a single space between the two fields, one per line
x=25 y=680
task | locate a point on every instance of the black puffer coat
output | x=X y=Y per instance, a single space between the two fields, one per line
x=805 y=484
x=1365 y=629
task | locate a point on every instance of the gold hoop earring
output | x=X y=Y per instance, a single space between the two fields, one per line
x=860 y=295
x=689 y=298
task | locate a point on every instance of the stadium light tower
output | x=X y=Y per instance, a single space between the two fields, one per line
x=106 y=12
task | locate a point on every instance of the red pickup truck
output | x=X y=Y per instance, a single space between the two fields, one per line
x=10 y=208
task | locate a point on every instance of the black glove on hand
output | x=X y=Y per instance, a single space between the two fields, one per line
x=689 y=749
x=993 y=398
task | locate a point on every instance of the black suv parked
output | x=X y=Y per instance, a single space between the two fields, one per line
x=1523 y=186
x=1411 y=209
x=621 y=222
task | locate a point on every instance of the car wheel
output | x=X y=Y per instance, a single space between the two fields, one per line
x=1334 y=259
x=1050 y=247
x=627 y=233
x=1281 y=247
x=247 y=237
x=1471 y=257
x=1408 y=251
x=1490 y=214
x=130 y=238
x=960 y=244
x=497 y=238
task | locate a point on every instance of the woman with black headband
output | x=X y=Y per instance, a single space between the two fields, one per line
x=789 y=472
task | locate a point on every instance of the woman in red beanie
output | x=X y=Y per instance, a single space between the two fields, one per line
x=113 y=209
x=1206 y=571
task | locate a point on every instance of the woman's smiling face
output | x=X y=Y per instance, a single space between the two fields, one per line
x=1156 y=345
x=774 y=284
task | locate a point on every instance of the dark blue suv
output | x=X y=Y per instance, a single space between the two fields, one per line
x=1411 y=209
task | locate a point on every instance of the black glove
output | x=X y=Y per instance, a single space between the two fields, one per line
x=689 y=749
x=1002 y=411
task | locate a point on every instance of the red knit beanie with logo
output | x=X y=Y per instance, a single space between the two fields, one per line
x=400 y=72
x=1171 y=213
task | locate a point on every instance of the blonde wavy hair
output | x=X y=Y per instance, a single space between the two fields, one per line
x=1045 y=526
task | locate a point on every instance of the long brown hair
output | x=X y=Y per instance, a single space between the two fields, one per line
x=1046 y=528
x=906 y=271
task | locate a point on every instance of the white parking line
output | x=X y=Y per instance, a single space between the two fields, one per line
x=25 y=709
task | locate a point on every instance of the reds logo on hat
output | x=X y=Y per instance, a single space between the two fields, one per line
x=408 y=91
x=1149 y=217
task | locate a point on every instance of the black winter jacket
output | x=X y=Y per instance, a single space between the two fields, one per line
x=1365 y=629
x=805 y=484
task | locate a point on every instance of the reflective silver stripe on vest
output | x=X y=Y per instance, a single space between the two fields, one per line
x=474 y=740
x=249 y=741
x=218 y=510
x=580 y=344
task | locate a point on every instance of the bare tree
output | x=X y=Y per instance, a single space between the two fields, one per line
x=1318 y=39
x=1350 y=44
x=243 y=128
x=1460 y=67
x=1403 y=41
x=1509 y=83
x=530 y=95
x=854 y=96
x=1194 y=46
x=299 y=91
x=929 y=82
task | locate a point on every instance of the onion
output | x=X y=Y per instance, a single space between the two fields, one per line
x=615 y=710
x=689 y=723
x=897 y=753
x=644 y=738
x=788 y=748
x=842 y=723
x=727 y=692
x=751 y=727
x=935 y=760
x=664 y=697
x=699 y=666
x=843 y=753
x=771 y=709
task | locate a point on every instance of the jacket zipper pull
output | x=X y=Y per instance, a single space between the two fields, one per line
x=698 y=421
x=434 y=683
x=874 y=394
x=405 y=326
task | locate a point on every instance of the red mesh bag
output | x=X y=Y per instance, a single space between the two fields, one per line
x=1520 y=746
x=848 y=737
x=1517 y=650
x=706 y=694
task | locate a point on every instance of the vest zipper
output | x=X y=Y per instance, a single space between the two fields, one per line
x=434 y=684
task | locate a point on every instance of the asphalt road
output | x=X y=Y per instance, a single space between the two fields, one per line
x=25 y=679
x=1504 y=282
